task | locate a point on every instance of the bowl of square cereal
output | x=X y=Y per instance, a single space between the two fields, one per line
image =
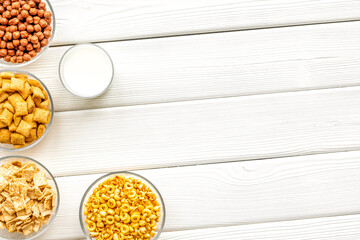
x=122 y=205
x=29 y=198
x=26 y=110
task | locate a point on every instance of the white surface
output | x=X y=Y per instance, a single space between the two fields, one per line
x=218 y=65
x=280 y=90
x=205 y=131
x=238 y=193
x=111 y=20
x=86 y=70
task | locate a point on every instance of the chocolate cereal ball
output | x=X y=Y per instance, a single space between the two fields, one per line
x=25 y=28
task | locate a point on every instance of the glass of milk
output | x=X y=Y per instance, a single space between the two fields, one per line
x=86 y=70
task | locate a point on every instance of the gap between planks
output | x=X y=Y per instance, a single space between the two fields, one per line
x=244 y=192
x=113 y=19
x=218 y=66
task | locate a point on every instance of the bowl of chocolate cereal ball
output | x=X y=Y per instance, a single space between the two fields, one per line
x=26 y=31
x=29 y=198
x=26 y=110
x=122 y=205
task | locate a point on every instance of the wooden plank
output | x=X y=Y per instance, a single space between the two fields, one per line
x=91 y=20
x=236 y=193
x=206 y=131
x=218 y=65
x=332 y=228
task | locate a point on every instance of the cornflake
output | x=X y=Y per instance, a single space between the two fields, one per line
x=26 y=199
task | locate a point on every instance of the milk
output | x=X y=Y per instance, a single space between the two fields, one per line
x=86 y=70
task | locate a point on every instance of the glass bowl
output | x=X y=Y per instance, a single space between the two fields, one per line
x=89 y=191
x=10 y=147
x=3 y=63
x=4 y=234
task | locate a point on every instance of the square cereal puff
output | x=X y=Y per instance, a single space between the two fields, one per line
x=6 y=86
x=27 y=91
x=19 y=146
x=17 y=120
x=45 y=104
x=31 y=104
x=45 y=94
x=32 y=136
x=41 y=115
x=24 y=128
x=3 y=96
x=30 y=119
x=41 y=130
x=17 y=139
x=6 y=117
x=12 y=127
x=21 y=109
x=35 y=83
x=37 y=92
x=37 y=101
x=4 y=135
x=17 y=84
x=10 y=107
x=7 y=75
x=21 y=76
x=15 y=98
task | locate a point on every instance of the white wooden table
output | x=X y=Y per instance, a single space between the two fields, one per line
x=244 y=113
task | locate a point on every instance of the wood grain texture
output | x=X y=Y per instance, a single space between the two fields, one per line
x=218 y=65
x=91 y=20
x=332 y=228
x=206 y=131
x=236 y=193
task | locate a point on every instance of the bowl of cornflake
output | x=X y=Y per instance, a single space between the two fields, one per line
x=122 y=205
x=29 y=198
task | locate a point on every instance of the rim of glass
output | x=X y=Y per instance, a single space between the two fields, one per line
x=43 y=50
x=82 y=224
x=57 y=194
x=51 y=118
x=64 y=82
